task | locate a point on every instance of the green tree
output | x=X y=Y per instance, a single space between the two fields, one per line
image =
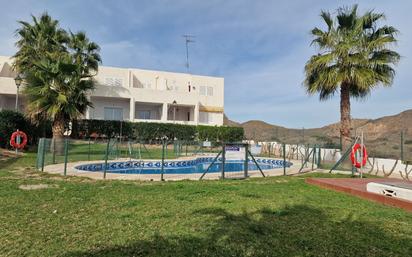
x=354 y=57
x=58 y=68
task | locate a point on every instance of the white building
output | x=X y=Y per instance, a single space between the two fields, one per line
x=140 y=95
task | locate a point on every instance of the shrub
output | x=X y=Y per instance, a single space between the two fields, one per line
x=207 y=133
x=10 y=121
x=108 y=128
x=149 y=131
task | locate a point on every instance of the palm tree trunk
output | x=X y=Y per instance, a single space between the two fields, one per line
x=57 y=145
x=345 y=120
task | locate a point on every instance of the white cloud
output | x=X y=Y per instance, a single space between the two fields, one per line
x=260 y=47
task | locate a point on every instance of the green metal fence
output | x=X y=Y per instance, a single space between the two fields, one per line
x=380 y=144
x=52 y=151
x=66 y=151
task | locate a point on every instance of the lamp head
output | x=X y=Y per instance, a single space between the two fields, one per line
x=18 y=80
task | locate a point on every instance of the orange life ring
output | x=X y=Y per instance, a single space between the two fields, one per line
x=23 y=138
x=355 y=162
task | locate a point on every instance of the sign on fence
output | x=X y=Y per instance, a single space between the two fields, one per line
x=235 y=152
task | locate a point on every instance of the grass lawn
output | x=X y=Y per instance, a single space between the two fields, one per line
x=280 y=216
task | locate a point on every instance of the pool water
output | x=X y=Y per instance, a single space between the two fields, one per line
x=199 y=165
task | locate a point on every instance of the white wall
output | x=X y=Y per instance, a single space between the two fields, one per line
x=145 y=86
x=385 y=167
x=177 y=84
x=214 y=118
x=375 y=166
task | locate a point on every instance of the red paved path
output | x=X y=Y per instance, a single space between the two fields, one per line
x=357 y=187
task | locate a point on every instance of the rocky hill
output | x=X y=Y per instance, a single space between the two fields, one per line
x=381 y=135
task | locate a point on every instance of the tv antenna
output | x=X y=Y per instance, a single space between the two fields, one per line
x=188 y=40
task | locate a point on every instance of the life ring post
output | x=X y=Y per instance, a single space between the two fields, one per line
x=18 y=140
x=364 y=155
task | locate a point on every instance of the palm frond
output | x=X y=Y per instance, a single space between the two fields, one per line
x=327 y=18
x=354 y=52
x=59 y=68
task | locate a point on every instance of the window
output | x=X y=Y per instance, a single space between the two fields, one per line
x=144 y=115
x=207 y=91
x=113 y=113
x=205 y=117
x=210 y=91
x=202 y=90
x=113 y=82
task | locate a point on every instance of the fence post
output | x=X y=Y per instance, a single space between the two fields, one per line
x=66 y=150
x=313 y=157
x=140 y=149
x=223 y=161
x=54 y=151
x=43 y=154
x=246 y=160
x=284 y=158
x=402 y=146
x=165 y=147
x=129 y=149
x=319 y=156
x=297 y=152
x=163 y=160
x=38 y=154
x=106 y=157
x=88 y=154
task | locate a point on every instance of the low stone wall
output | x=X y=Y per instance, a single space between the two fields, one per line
x=389 y=168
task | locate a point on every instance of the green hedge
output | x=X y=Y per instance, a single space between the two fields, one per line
x=155 y=131
x=10 y=121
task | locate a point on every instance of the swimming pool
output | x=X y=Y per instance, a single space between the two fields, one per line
x=198 y=165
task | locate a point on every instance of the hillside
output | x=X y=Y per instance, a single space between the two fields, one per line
x=382 y=135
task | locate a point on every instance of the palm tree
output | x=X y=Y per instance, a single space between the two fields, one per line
x=354 y=57
x=37 y=40
x=58 y=68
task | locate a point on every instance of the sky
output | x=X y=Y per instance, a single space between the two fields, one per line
x=259 y=47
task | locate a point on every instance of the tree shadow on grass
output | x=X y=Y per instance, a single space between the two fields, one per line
x=298 y=230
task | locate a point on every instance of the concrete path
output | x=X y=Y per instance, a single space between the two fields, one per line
x=71 y=171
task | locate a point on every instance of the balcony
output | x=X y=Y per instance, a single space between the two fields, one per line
x=148 y=111
x=181 y=113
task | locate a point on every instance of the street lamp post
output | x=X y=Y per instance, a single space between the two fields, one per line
x=18 y=80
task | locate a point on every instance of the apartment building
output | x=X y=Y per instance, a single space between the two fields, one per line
x=140 y=96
